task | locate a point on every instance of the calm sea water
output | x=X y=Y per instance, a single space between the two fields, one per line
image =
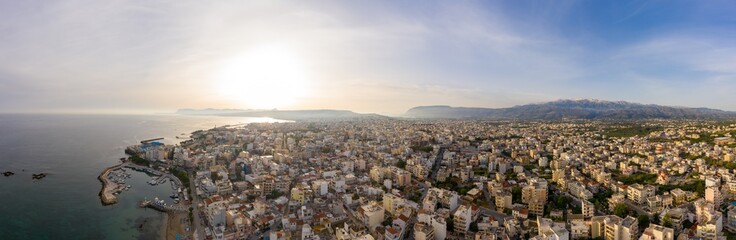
x=74 y=149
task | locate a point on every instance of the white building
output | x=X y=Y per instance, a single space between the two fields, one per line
x=462 y=219
x=657 y=232
x=549 y=230
x=371 y=214
x=639 y=193
x=437 y=222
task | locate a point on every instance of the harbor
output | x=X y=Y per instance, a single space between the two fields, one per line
x=114 y=181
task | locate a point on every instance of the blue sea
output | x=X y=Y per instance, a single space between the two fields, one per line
x=73 y=150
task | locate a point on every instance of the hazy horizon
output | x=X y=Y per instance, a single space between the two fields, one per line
x=380 y=57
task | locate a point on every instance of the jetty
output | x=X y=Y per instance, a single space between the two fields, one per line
x=160 y=205
x=109 y=188
x=151 y=140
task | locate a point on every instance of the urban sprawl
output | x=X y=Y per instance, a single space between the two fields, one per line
x=456 y=179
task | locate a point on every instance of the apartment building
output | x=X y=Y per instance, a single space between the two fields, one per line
x=535 y=196
x=657 y=232
x=462 y=219
x=371 y=214
x=612 y=227
x=639 y=193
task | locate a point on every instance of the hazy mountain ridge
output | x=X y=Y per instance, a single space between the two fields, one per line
x=281 y=114
x=209 y=111
x=574 y=109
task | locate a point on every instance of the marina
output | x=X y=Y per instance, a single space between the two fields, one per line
x=114 y=181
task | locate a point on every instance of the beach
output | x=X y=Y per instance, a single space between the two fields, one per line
x=175 y=224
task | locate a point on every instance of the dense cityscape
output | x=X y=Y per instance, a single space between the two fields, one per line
x=456 y=179
x=368 y=120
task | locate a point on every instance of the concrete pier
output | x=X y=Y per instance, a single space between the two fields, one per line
x=154 y=204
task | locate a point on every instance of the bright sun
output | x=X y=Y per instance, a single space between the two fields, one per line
x=263 y=78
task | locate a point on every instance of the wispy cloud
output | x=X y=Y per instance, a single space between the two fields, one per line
x=359 y=55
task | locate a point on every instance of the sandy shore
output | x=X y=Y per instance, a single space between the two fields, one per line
x=175 y=224
x=165 y=226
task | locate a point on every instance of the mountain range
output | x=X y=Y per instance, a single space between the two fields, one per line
x=571 y=109
x=555 y=110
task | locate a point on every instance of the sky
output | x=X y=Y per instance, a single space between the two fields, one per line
x=367 y=56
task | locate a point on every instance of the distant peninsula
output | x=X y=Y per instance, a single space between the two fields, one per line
x=319 y=114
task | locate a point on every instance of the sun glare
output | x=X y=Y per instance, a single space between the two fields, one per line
x=263 y=78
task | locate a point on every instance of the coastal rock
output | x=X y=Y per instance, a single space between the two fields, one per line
x=39 y=176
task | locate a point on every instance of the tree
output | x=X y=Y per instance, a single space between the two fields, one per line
x=450 y=224
x=388 y=222
x=473 y=227
x=700 y=188
x=416 y=196
x=516 y=194
x=643 y=221
x=274 y=194
x=139 y=160
x=655 y=220
x=667 y=221
x=561 y=202
x=621 y=210
x=422 y=148
x=577 y=210
x=687 y=223
x=401 y=164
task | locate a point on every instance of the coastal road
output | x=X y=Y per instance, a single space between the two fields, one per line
x=197 y=227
